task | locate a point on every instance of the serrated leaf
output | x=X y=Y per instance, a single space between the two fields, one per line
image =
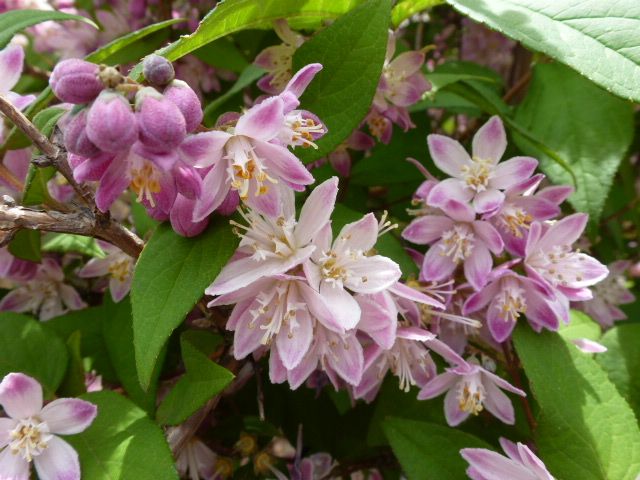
x=14 y=21
x=622 y=362
x=580 y=325
x=428 y=451
x=599 y=39
x=352 y=52
x=68 y=242
x=586 y=430
x=591 y=130
x=26 y=245
x=73 y=383
x=230 y=17
x=202 y=381
x=122 y=443
x=24 y=343
x=170 y=276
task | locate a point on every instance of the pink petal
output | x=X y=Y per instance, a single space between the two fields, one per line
x=478 y=266
x=293 y=342
x=316 y=211
x=11 y=59
x=407 y=63
x=498 y=404
x=449 y=189
x=564 y=232
x=204 y=149
x=344 y=307
x=490 y=142
x=298 y=375
x=493 y=466
x=13 y=467
x=500 y=327
x=115 y=180
x=359 y=235
x=452 y=412
x=347 y=359
x=379 y=318
x=6 y=425
x=20 y=395
x=59 y=461
x=488 y=202
x=96 y=267
x=556 y=193
x=68 y=416
x=277 y=372
x=301 y=80
x=319 y=309
x=492 y=378
x=513 y=171
x=215 y=188
x=489 y=236
x=414 y=295
x=437 y=386
x=262 y=121
x=373 y=274
x=458 y=211
x=588 y=346
x=283 y=163
x=427 y=229
x=448 y=155
x=91 y=169
x=71 y=297
x=119 y=289
x=481 y=299
x=436 y=266
x=539 y=208
x=267 y=203
x=18 y=300
x=511 y=449
x=248 y=334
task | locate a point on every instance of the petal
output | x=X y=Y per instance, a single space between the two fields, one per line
x=379 y=318
x=71 y=297
x=407 y=63
x=262 y=121
x=449 y=189
x=119 y=289
x=438 y=385
x=406 y=292
x=489 y=236
x=493 y=466
x=20 y=395
x=293 y=341
x=96 y=267
x=267 y=203
x=500 y=327
x=556 y=193
x=360 y=235
x=481 y=299
x=427 y=229
x=18 y=300
x=490 y=142
x=563 y=232
x=91 y=169
x=492 y=378
x=316 y=211
x=114 y=181
x=452 y=412
x=248 y=334
x=204 y=149
x=513 y=171
x=13 y=467
x=539 y=208
x=588 y=346
x=347 y=359
x=436 y=266
x=344 y=307
x=283 y=163
x=488 y=202
x=6 y=425
x=498 y=404
x=11 y=60
x=301 y=80
x=478 y=266
x=319 y=309
x=372 y=274
x=68 y=416
x=448 y=155
x=59 y=461
x=458 y=211
x=215 y=187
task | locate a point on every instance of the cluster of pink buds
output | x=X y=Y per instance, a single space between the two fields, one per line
x=490 y=211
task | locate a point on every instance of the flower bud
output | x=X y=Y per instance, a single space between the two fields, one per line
x=180 y=216
x=76 y=81
x=75 y=135
x=188 y=180
x=230 y=204
x=111 y=125
x=187 y=101
x=161 y=123
x=157 y=70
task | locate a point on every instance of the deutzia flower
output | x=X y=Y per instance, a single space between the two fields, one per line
x=30 y=432
x=117 y=264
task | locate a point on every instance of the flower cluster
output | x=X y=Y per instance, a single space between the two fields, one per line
x=30 y=431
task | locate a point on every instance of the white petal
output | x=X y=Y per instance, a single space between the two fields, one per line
x=67 y=416
x=58 y=462
x=20 y=395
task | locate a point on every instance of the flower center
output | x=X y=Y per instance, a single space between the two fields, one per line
x=470 y=396
x=457 y=243
x=267 y=237
x=477 y=174
x=377 y=124
x=511 y=301
x=331 y=269
x=612 y=289
x=560 y=266
x=304 y=130
x=246 y=167
x=515 y=220
x=29 y=438
x=281 y=65
x=145 y=182
x=404 y=357
x=120 y=269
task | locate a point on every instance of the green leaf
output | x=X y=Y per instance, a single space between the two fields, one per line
x=26 y=245
x=122 y=443
x=223 y=53
x=352 y=52
x=118 y=338
x=580 y=326
x=586 y=430
x=591 y=129
x=598 y=39
x=24 y=343
x=73 y=383
x=202 y=381
x=230 y=17
x=622 y=362
x=170 y=277
x=405 y=9
x=428 y=451
x=68 y=242
x=13 y=21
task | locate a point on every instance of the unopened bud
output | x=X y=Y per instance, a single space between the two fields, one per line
x=76 y=81
x=181 y=214
x=162 y=125
x=111 y=124
x=157 y=70
x=183 y=96
x=75 y=135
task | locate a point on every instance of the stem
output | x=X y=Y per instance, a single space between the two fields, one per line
x=517 y=87
x=514 y=371
x=28 y=128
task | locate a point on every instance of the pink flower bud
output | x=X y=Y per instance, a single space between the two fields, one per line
x=111 y=124
x=162 y=125
x=180 y=216
x=157 y=70
x=230 y=204
x=76 y=81
x=75 y=135
x=187 y=101
x=188 y=180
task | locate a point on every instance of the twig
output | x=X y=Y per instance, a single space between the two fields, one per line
x=514 y=372
x=28 y=128
x=517 y=87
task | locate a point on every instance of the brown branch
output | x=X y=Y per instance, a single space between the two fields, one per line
x=28 y=128
x=513 y=368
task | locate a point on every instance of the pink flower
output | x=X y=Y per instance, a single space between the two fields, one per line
x=551 y=259
x=588 y=346
x=608 y=294
x=195 y=459
x=478 y=178
x=45 y=295
x=470 y=389
x=270 y=246
x=456 y=238
x=11 y=63
x=117 y=264
x=16 y=269
x=519 y=464
x=30 y=432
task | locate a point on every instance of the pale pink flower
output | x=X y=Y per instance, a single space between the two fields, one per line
x=11 y=63
x=195 y=460
x=588 y=346
x=608 y=294
x=478 y=178
x=270 y=246
x=16 y=269
x=470 y=389
x=519 y=464
x=30 y=432
x=45 y=294
x=455 y=239
x=117 y=264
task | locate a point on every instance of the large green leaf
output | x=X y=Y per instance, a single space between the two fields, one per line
x=622 y=361
x=202 y=381
x=597 y=38
x=122 y=443
x=580 y=325
x=405 y=9
x=428 y=451
x=586 y=430
x=170 y=276
x=24 y=346
x=13 y=21
x=68 y=242
x=590 y=128
x=352 y=52
x=229 y=17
